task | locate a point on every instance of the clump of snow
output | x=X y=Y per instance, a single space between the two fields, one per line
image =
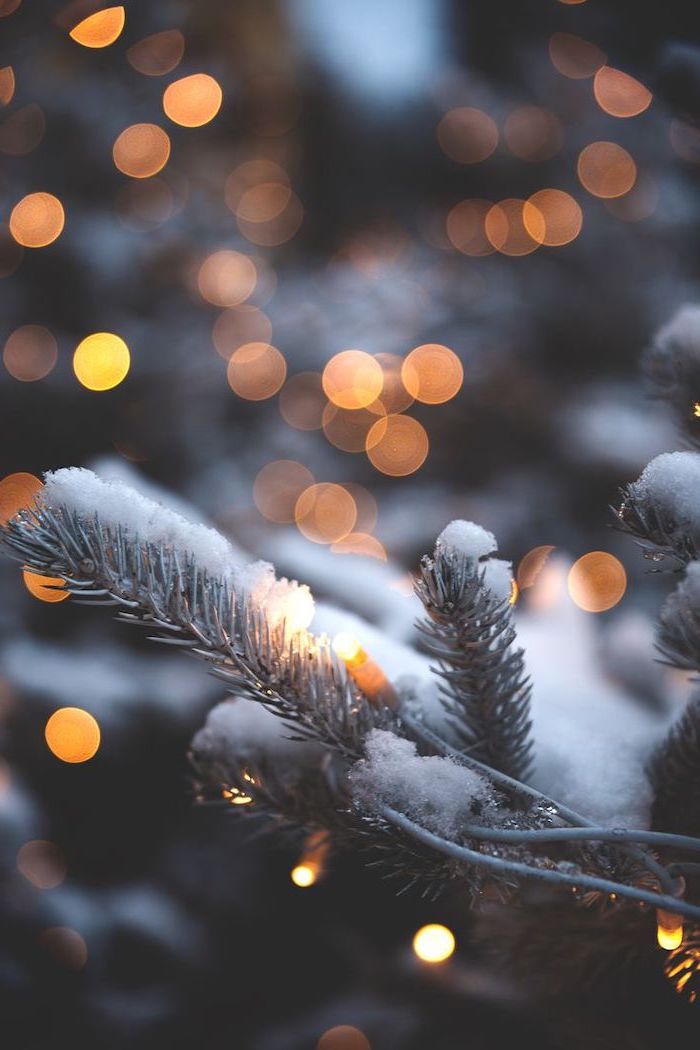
x=672 y=483
x=498 y=577
x=435 y=792
x=467 y=538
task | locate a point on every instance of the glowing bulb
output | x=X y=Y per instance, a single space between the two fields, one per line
x=298 y=610
x=696 y=409
x=346 y=646
x=669 y=930
x=236 y=797
x=434 y=943
x=72 y=734
x=364 y=671
x=101 y=361
x=303 y=875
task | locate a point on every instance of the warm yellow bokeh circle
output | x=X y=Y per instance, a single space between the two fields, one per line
x=101 y=361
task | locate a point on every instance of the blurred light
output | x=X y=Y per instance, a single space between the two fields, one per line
x=506 y=230
x=619 y=94
x=30 y=353
x=533 y=133
x=11 y=252
x=256 y=371
x=37 y=220
x=434 y=943
x=277 y=488
x=22 y=131
x=227 y=278
x=531 y=565
x=466 y=227
x=597 y=581
x=303 y=875
x=141 y=150
x=251 y=174
x=360 y=543
x=562 y=217
x=145 y=204
x=352 y=379
x=100 y=29
x=157 y=54
x=346 y=646
x=42 y=863
x=192 y=101
x=236 y=797
x=66 y=946
x=606 y=169
x=281 y=226
x=432 y=374
x=343 y=1037
x=264 y=202
x=685 y=140
x=572 y=1
x=241 y=324
x=72 y=734
x=467 y=135
x=298 y=610
x=365 y=504
x=393 y=396
x=44 y=587
x=640 y=203
x=348 y=428
x=669 y=930
x=7 y=85
x=402 y=446
x=101 y=361
x=574 y=57
x=325 y=513
x=17 y=492
x=302 y=401
x=8 y=7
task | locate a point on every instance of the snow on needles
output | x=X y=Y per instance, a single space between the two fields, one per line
x=118 y=504
x=434 y=791
x=477 y=544
x=671 y=483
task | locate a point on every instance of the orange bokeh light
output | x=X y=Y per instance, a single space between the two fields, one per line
x=597 y=581
x=325 y=512
x=256 y=371
x=264 y=202
x=100 y=29
x=66 y=946
x=44 y=587
x=466 y=227
x=302 y=401
x=343 y=1037
x=360 y=543
x=467 y=135
x=348 y=428
x=157 y=54
x=227 y=278
x=7 y=85
x=8 y=7
x=394 y=396
x=17 y=492
x=277 y=488
x=353 y=379
x=432 y=373
x=42 y=863
x=531 y=565
x=192 y=101
x=402 y=446
x=30 y=353
x=562 y=217
x=37 y=220
x=619 y=94
x=574 y=57
x=250 y=174
x=101 y=361
x=72 y=734
x=606 y=169
x=238 y=325
x=507 y=231
x=141 y=150
x=533 y=134
x=280 y=226
x=366 y=505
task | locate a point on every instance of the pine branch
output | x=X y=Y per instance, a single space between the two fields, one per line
x=672 y=365
x=675 y=773
x=485 y=690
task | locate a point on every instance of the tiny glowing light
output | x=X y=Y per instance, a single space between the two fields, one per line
x=364 y=671
x=574 y=57
x=66 y=946
x=619 y=94
x=311 y=864
x=256 y=371
x=432 y=374
x=597 y=581
x=30 y=353
x=531 y=565
x=303 y=875
x=466 y=229
x=42 y=863
x=72 y=734
x=507 y=231
x=562 y=217
x=467 y=135
x=100 y=29
x=7 y=85
x=192 y=101
x=17 y=492
x=434 y=943
x=402 y=447
x=325 y=512
x=353 y=379
x=669 y=930
x=141 y=150
x=277 y=488
x=238 y=325
x=533 y=134
x=101 y=361
x=361 y=543
x=348 y=428
x=45 y=588
x=37 y=220
x=696 y=409
x=346 y=646
x=606 y=169
x=343 y=1037
x=227 y=278
x=22 y=131
x=157 y=54
x=302 y=401
x=236 y=797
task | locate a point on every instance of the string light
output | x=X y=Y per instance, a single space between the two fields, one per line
x=434 y=943
x=367 y=674
x=72 y=734
x=311 y=865
x=669 y=930
x=192 y=101
x=37 y=220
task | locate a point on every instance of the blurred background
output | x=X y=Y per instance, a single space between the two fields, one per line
x=333 y=274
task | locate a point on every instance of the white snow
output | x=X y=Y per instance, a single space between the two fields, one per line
x=681 y=335
x=685 y=597
x=434 y=791
x=498 y=577
x=468 y=538
x=672 y=482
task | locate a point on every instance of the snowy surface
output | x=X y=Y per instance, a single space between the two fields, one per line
x=468 y=538
x=436 y=792
x=672 y=483
x=498 y=577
